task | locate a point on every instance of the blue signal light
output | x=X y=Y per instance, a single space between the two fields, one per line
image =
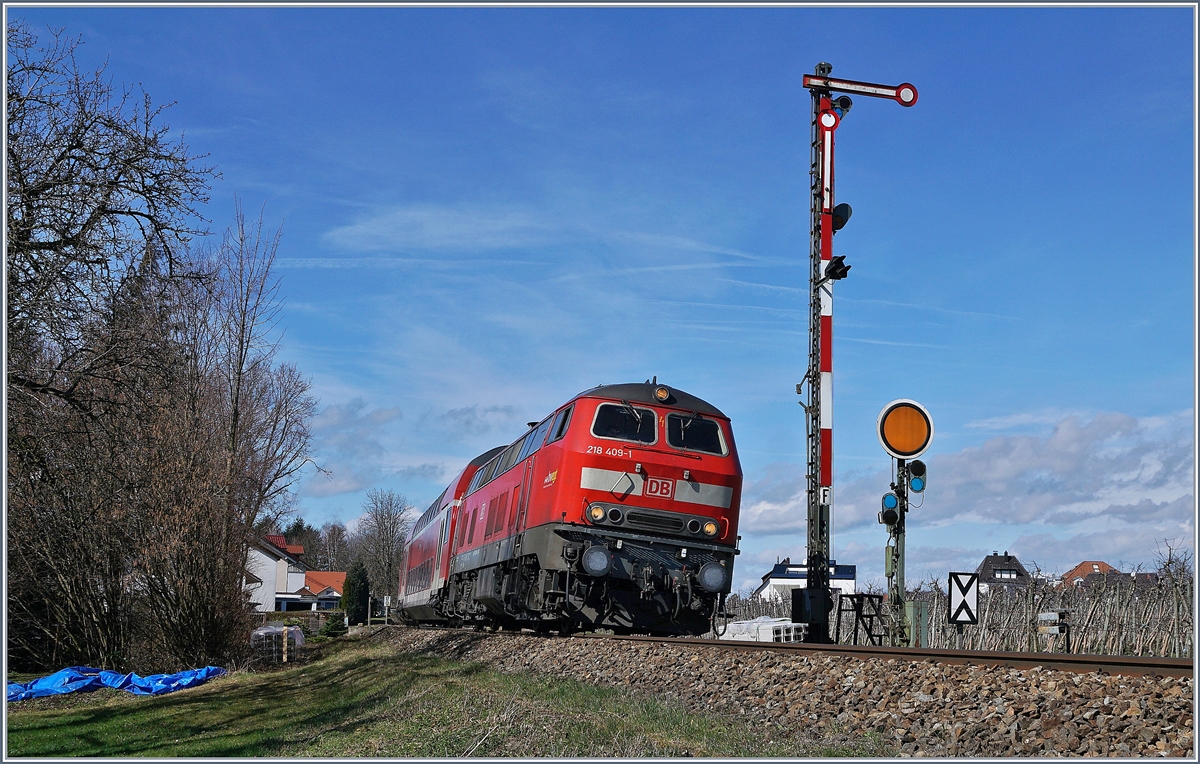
x=890 y=501
x=917 y=484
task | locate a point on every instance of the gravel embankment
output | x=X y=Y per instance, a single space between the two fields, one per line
x=919 y=708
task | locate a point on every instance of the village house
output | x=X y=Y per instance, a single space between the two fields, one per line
x=785 y=576
x=1002 y=570
x=278 y=579
x=1096 y=572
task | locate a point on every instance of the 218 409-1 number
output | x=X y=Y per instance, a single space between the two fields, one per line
x=610 y=451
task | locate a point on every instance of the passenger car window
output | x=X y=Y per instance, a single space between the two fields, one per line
x=483 y=476
x=695 y=433
x=509 y=457
x=623 y=422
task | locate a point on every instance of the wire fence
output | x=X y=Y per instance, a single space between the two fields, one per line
x=1117 y=615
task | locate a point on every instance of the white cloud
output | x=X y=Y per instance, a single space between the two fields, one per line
x=681 y=243
x=469 y=422
x=430 y=227
x=347 y=443
x=1108 y=487
x=1020 y=420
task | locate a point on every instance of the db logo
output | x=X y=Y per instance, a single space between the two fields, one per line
x=660 y=488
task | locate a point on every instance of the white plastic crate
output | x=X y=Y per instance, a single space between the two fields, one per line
x=766 y=629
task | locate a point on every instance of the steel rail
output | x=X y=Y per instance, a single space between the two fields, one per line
x=1125 y=665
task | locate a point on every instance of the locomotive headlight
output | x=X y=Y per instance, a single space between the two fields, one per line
x=710 y=528
x=596 y=513
x=596 y=560
x=661 y=394
x=712 y=577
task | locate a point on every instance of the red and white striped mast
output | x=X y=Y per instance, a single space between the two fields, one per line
x=812 y=604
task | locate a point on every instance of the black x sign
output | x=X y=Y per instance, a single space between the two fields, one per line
x=964 y=598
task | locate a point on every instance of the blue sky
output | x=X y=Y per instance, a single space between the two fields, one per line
x=486 y=211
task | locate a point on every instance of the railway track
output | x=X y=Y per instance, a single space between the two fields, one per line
x=1125 y=665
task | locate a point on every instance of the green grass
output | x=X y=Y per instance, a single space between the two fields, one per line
x=363 y=699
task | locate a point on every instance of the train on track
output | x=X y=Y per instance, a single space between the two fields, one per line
x=617 y=511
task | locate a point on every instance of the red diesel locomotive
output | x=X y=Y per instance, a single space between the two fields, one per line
x=617 y=511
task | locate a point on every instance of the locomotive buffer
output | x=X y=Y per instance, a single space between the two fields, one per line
x=813 y=603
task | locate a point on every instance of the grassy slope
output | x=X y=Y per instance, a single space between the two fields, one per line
x=363 y=699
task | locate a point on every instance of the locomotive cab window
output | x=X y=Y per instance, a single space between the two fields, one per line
x=619 y=421
x=692 y=432
x=561 y=422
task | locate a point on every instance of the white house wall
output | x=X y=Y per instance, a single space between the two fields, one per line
x=281 y=578
x=780 y=588
x=263 y=568
x=295 y=579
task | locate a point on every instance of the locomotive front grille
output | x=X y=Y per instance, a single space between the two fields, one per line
x=646 y=521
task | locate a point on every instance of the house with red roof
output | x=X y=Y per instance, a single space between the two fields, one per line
x=278 y=579
x=1077 y=575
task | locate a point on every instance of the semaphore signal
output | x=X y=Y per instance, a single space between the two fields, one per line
x=812 y=604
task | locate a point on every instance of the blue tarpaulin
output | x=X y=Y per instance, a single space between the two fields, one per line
x=83 y=679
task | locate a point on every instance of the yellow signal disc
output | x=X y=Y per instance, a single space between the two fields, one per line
x=905 y=428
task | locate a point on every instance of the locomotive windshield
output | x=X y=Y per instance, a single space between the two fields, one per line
x=693 y=432
x=622 y=421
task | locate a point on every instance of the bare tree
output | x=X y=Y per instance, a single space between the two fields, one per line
x=97 y=193
x=149 y=428
x=252 y=417
x=100 y=206
x=380 y=536
x=333 y=547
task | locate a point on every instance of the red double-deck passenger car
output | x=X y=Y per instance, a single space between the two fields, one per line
x=617 y=511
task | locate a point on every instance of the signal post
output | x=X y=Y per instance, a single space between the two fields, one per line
x=905 y=430
x=812 y=604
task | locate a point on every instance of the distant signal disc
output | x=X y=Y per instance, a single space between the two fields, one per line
x=905 y=429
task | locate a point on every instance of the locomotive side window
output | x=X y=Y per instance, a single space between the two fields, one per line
x=561 y=422
x=695 y=433
x=534 y=442
x=509 y=457
x=621 y=421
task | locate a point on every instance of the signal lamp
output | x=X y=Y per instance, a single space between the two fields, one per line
x=842 y=105
x=841 y=213
x=596 y=513
x=916 y=475
x=890 y=513
x=837 y=269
